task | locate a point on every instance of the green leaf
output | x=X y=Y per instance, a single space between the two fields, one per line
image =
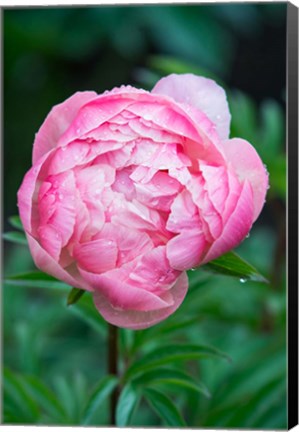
x=168 y=354
x=15 y=221
x=15 y=237
x=101 y=392
x=86 y=310
x=45 y=397
x=15 y=392
x=127 y=402
x=36 y=279
x=230 y=264
x=164 y=407
x=74 y=295
x=174 y=377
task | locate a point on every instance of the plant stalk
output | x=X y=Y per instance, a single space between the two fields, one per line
x=112 y=369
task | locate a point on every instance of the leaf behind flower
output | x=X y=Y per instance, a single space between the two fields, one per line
x=231 y=264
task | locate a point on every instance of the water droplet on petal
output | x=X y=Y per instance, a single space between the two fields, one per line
x=193 y=269
x=243 y=280
x=248 y=235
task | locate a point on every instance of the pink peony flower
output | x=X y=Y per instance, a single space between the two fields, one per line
x=129 y=189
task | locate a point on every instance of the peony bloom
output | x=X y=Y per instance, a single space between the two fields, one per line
x=129 y=189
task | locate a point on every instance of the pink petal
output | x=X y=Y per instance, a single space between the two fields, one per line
x=183 y=214
x=202 y=93
x=186 y=249
x=92 y=115
x=57 y=122
x=46 y=263
x=130 y=242
x=27 y=194
x=141 y=319
x=114 y=286
x=216 y=184
x=50 y=240
x=96 y=256
x=154 y=271
x=247 y=164
x=237 y=226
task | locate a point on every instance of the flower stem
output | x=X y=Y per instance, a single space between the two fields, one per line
x=112 y=369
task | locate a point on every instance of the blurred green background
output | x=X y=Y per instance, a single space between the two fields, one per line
x=54 y=355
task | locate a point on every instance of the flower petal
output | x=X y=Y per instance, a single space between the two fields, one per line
x=57 y=122
x=202 y=93
x=248 y=166
x=47 y=264
x=114 y=286
x=186 y=249
x=137 y=320
x=237 y=226
x=96 y=256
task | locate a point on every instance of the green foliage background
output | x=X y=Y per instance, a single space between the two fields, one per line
x=55 y=355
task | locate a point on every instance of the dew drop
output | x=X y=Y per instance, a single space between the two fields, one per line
x=193 y=269
x=243 y=280
x=248 y=235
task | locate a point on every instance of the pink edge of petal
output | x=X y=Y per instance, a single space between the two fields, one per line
x=57 y=121
x=201 y=93
x=137 y=320
x=248 y=166
x=26 y=192
x=47 y=264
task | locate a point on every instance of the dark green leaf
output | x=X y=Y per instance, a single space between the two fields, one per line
x=168 y=354
x=15 y=221
x=127 y=402
x=36 y=279
x=230 y=264
x=101 y=392
x=15 y=237
x=74 y=295
x=164 y=407
x=173 y=377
